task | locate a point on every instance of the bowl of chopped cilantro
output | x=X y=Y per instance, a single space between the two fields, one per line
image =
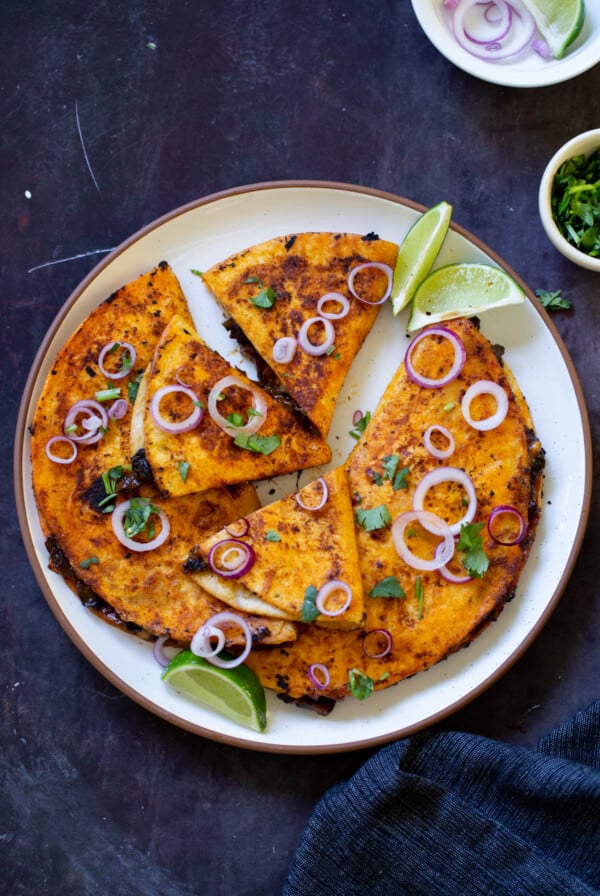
x=569 y=200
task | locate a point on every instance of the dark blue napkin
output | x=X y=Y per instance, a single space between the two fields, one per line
x=439 y=814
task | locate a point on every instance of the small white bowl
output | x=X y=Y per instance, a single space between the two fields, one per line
x=583 y=144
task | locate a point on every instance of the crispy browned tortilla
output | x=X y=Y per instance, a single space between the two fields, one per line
x=147 y=589
x=433 y=618
x=297 y=551
x=209 y=456
x=298 y=269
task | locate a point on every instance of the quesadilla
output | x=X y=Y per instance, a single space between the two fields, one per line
x=483 y=484
x=305 y=303
x=205 y=424
x=299 y=558
x=82 y=476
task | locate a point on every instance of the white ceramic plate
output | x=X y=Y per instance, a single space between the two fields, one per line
x=207 y=231
x=528 y=69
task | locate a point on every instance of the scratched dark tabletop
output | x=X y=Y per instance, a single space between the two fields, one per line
x=112 y=115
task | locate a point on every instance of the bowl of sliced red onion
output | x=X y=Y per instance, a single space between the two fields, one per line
x=559 y=211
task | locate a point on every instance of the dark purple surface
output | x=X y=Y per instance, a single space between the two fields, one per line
x=172 y=102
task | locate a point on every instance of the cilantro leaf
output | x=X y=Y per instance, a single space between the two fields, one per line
x=257 y=443
x=375 y=518
x=575 y=202
x=271 y=535
x=137 y=517
x=360 y=425
x=85 y=564
x=419 y=595
x=475 y=560
x=553 y=301
x=361 y=686
x=184 y=468
x=133 y=387
x=265 y=298
x=309 y=607
x=388 y=587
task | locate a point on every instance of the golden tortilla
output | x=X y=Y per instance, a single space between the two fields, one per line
x=299 y=269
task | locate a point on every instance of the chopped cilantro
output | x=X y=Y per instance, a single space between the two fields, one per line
x=375 y=518
x=271 y=535
x=255 y=280
x=184 y=468
x=397 y=477
x=235 y=419
x=360 y=425
x=85 y=564
x=137 y=518
x=309 y=605
x=575 y=202
x=384 y=676
x=196 y=272
x=475 y=560
x=419 y=595
x=553 y=301
x=107 y=394
x=361 y=686
x=265 y=298
x=133 y=387
x=257 y=443
x=388 y=587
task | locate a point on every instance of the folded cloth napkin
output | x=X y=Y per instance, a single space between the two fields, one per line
x=445 y=813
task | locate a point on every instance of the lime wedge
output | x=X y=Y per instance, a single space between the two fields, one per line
x=462 y=290
x=418 y=252
x=235 y=693
x=559 y=21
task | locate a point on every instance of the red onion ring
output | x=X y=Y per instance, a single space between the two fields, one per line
x=357 y=417
x=54 y=457
x=449 y=576
x=323 y=347
x=95 y=422
x=380 y=633
x=326 y=591
x=439 y=453
x=118 y=409
x=238 y=529
x=380 y=266
x=133 y=545
x=201 y=642
x=323 y=500
x=460 y=356
x=231 y=570
x=507 y=509
x=485 y=387
x=109 y=348
x=433 y=524
x=437 y=477
x=259 y=405
x=321 y=670
x=158 y=651
x=228 y=618
x=179 y=377
x=519 y=35
x=285 y=349
x=333 y=297
x=175 y=427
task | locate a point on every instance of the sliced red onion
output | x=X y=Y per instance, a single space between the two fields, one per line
x=118 y=409
x=319 y=676
x=357 y=417
x=259 y=406
x=228 y=618
x=285 y=349
x=202 y=644
x=109 y=349
x=230 y=558
x=448 y=575
x=378 y=265
x=322 y=501
x=460 y=356
x=95 y=422
x=542 y=48
x=179 y=377
x=438 y=477
x=117 y=518
x=432 y=523
x=485 y=387
x=501 y=23
x=439 y=453
x=504 y=510
x=158 y=651
x=176 y=426
x=323 y=347
x=239 y=528
x=329 y=297
x=55 y=458
x=325 y=592
x=381 y=634
x=476 y=39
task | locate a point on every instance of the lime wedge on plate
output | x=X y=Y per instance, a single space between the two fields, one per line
x=418 y=252
x=559 y=22
x=235 y=693
x=462 y=290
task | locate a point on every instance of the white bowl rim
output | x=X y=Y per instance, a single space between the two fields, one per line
x=584 y=142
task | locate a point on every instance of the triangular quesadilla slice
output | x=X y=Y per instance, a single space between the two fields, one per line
x=305 y=302
x=294 y=559
x=205 y=424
